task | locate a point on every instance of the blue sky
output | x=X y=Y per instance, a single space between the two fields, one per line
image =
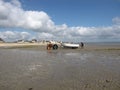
x=77 y=12
x=67 y=20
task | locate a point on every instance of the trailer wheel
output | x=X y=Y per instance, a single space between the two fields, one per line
x=55 y=46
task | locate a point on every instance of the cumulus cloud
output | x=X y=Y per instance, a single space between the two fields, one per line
x=14 y=35
x=45 y=35
x=116 y=20
x=13 y=15
x=16 y=3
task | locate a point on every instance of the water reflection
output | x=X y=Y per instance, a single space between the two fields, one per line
x=58 y=70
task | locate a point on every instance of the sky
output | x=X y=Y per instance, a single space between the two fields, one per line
x=61 y=20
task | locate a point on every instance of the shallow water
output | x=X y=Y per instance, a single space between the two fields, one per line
x=59 y=70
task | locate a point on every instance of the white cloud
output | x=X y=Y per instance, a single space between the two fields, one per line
x=13 y=15
x=14 y=35
x=44 y=36
x=116 y=20
x=16 y=3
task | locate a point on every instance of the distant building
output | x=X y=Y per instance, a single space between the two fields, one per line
x=33 y=40
x=20 y=41
x=1 y=40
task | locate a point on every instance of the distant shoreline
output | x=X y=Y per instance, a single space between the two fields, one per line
x=21 y=44
x=42 y=46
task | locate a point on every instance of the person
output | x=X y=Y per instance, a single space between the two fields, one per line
x=82 y=45
x=49 y=46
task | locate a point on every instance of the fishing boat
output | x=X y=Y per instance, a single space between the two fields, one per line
x=70 y=45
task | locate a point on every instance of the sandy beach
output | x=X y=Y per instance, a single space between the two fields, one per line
x=32 y=67
x=20 y=44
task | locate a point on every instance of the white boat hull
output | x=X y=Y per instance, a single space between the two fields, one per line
x=70 y=45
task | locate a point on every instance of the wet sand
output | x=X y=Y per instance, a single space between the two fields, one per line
x=35 y=68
